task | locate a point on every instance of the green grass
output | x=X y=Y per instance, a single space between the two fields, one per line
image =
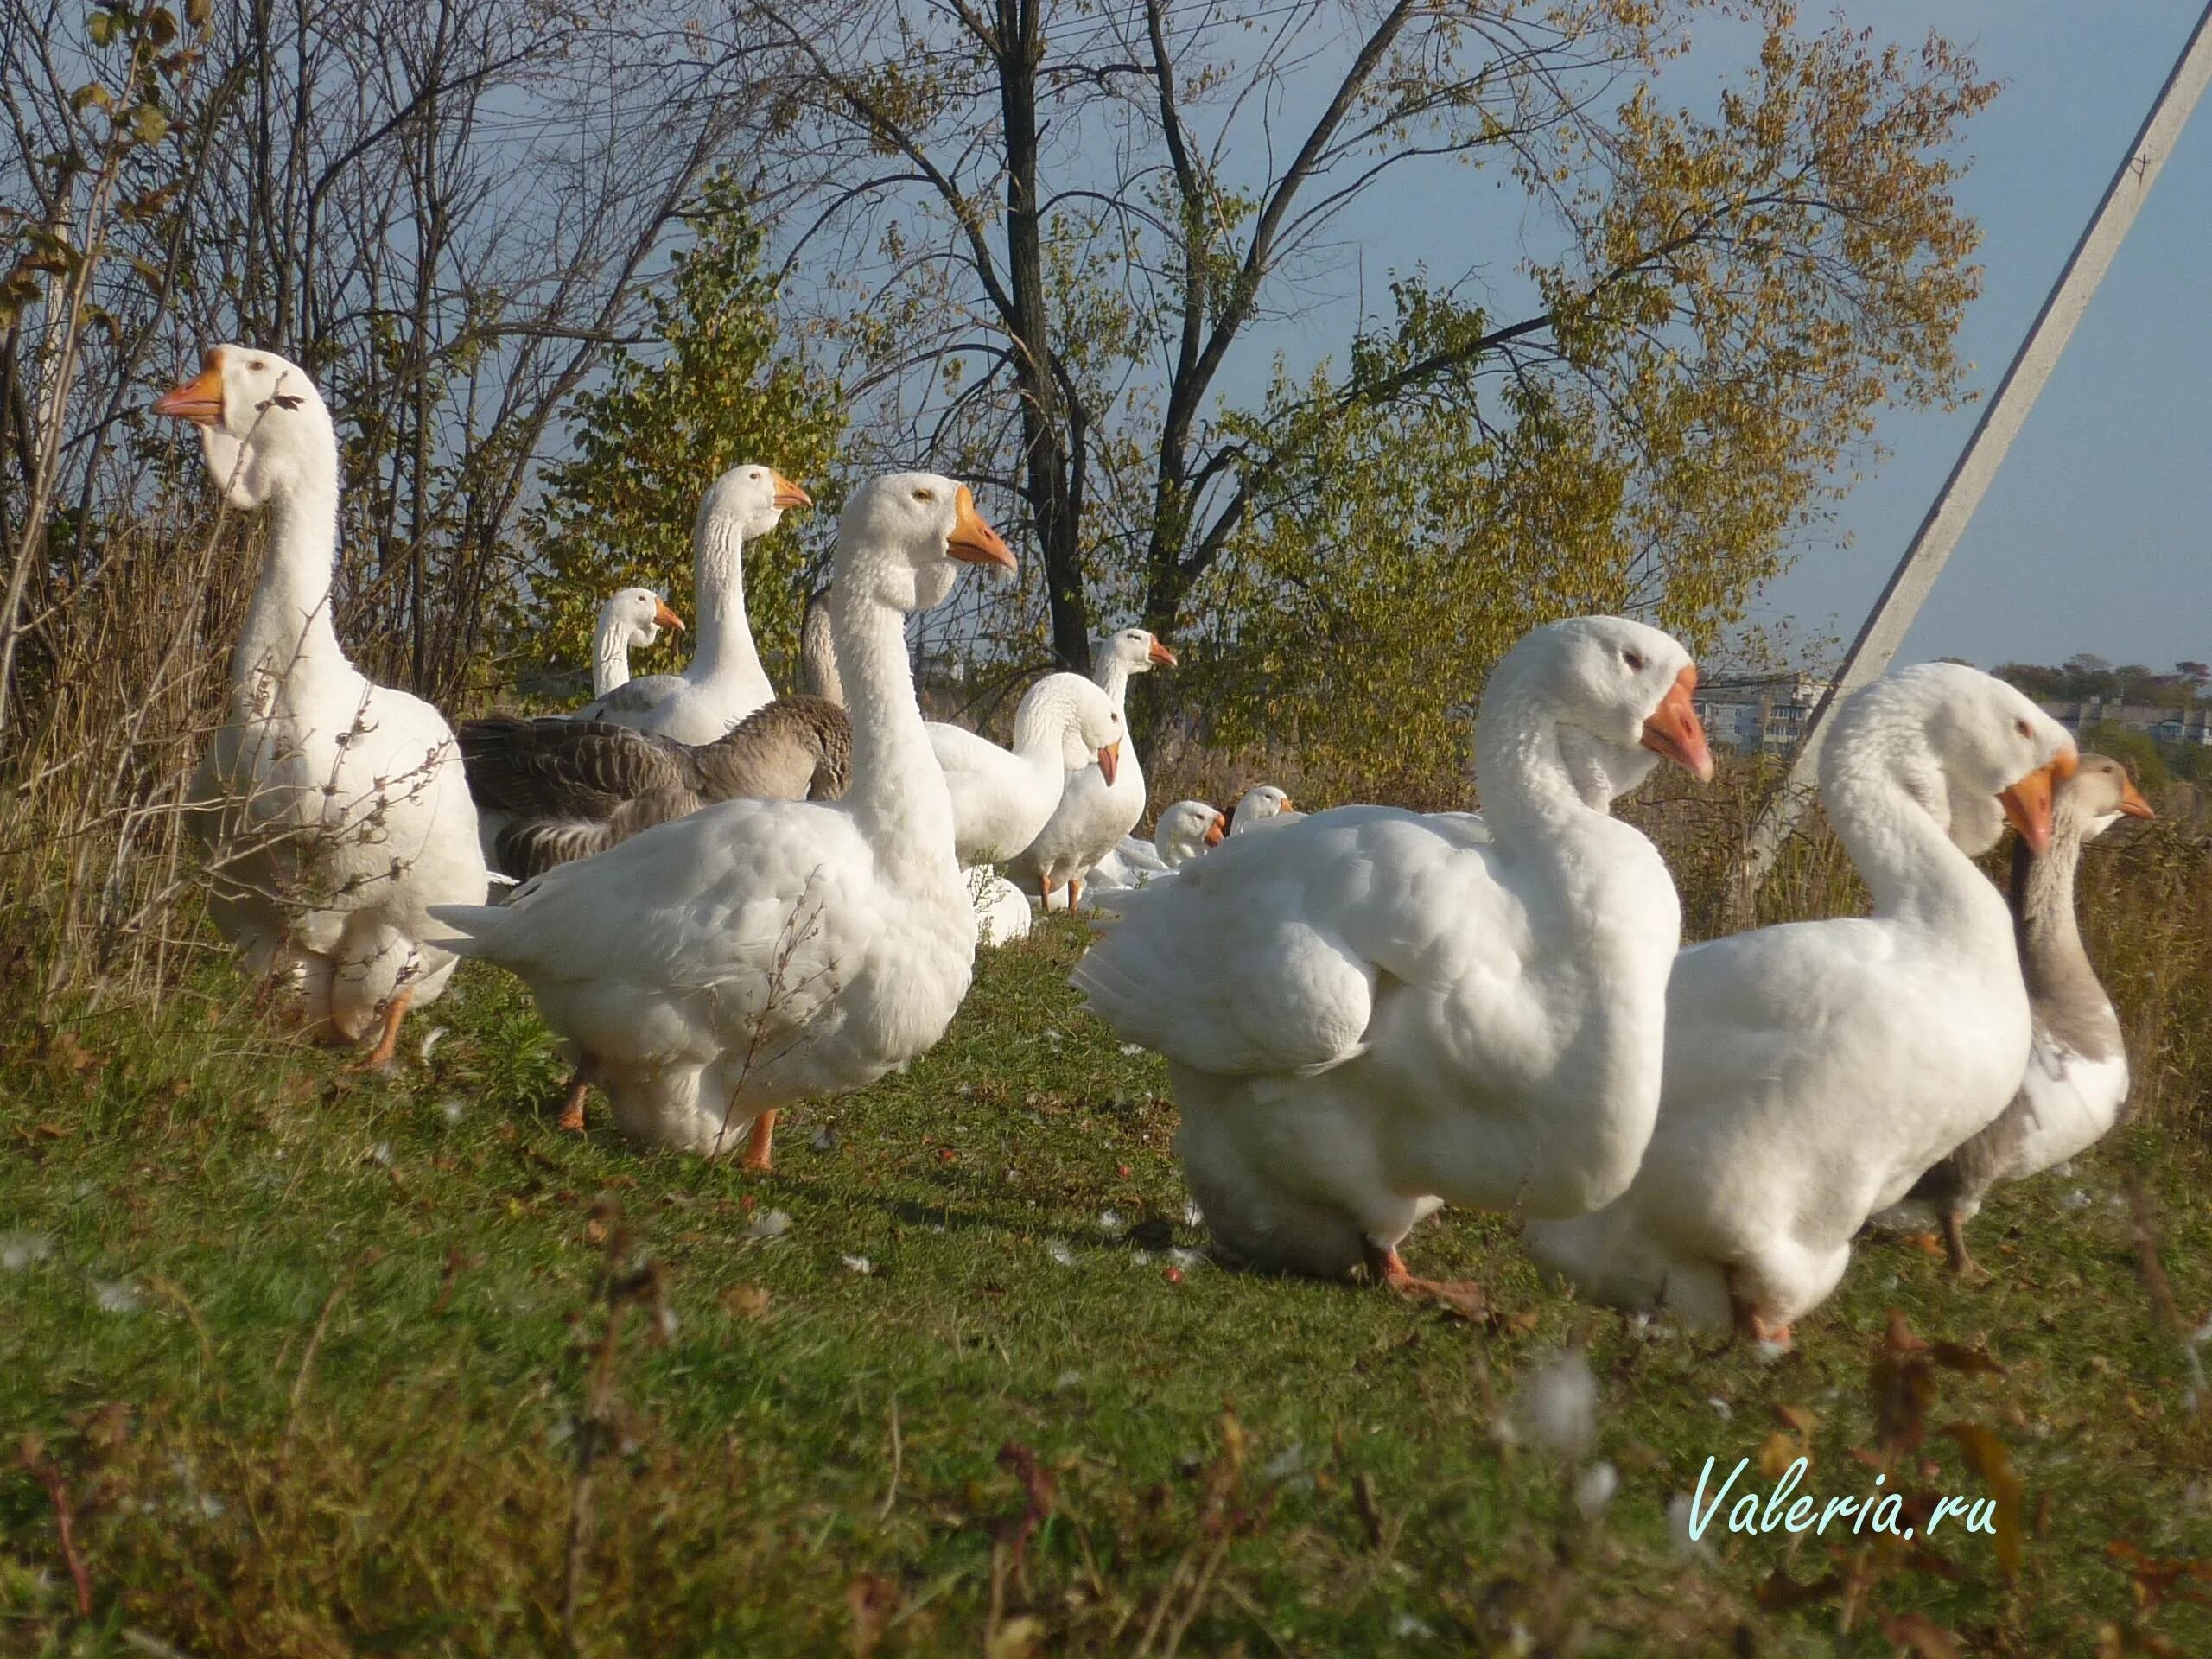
x=310 y=1353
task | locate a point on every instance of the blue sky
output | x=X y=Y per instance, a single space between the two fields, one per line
x=2093 y=537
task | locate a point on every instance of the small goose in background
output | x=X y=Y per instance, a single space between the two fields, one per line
x=1002 y=797
x=2076 y=1083
x=724 y=680
x=631 y=619
x=1814 y=1070
x=1262 y=804
x=1096 y=810
x=1184 y=830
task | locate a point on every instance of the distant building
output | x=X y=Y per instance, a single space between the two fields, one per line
x=1766 y=712
x=2192 y=725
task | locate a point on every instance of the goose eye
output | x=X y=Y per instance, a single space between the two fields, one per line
x=258 y=368
x=1634 y=660
x=2024 y=728
x=924 y=495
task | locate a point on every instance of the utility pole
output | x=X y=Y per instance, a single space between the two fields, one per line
x=2001 y=419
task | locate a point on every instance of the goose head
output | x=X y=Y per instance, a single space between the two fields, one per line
x=263 y=426
x=1615 y=689
x=902 y=535
x=1095 y=727
x=1186 y=830
x=2097 y=796
x=639 y=614
x=752 y=498
x=1256 y=806
x=1971 y=750
x=1135 y=650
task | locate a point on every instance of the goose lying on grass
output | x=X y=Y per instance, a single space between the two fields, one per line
x=2078 y=1066
x=1265 y=804
x=1369 y=1007
x=1184 y=830
x=631 y=619
x=335 y=808
x=724 y=682
x=712 y=969
x=1815 y=1069
x=550 y=790
x=1097 y=809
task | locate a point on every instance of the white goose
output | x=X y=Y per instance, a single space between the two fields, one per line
x=2077 y=1068
x=1814 y=1070
x=1265 y=804
x=1371 y=1007
x=710 y=970
x=724 y=682
x=1001 y=798
x=1184 y=830
x=632 y=619
x=1095 y=810
x=336 y=807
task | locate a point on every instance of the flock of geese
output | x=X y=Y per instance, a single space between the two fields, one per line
x=726 y=901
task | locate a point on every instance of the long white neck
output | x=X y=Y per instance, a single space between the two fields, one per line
x=288 y=636
x=725 y=653
x=897 y=792
x=610 y=654
x=1912 y=868
x=1040 y=726
x=1532 y=785
x=1113 y=678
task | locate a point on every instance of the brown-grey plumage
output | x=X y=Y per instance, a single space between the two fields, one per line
x=551 y=791
x=2078 y=1045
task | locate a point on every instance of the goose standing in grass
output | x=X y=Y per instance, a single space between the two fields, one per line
x=2077 y=1083
x=552 y=789
x=1265 y=804
x=1369 y=1011
x=724 y=682
x=1096 y=810
x=631 y=619
x=712 y=969
x=1815 y=1069
x=1002 y=798
x=335 y=808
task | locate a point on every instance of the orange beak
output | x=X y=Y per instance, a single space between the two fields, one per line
x=1217 y=831
x=2131 y=802
x=665 y=617
x=1161 y=654
x=200 y=399
x=1674 y=731
x=1110 y=760
x=788 y=495
x=974 y=542
x=2027 y=807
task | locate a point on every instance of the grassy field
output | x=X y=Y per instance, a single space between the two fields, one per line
x=318 y=1362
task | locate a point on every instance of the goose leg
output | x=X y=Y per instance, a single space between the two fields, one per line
x=572 y=1102
x=1045 y=891
x=1748 y=1320
x=395 y=1010
x=1956 y=1252
x=759 y=1143
x=1387 y=1268
x=1075 y=894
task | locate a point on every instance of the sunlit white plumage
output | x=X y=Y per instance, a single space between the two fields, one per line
x=335 y=808
x=1369 y=1009
x=1002 y=798
x=1093 y=813
x=1814 y=1070
x=631 y=619
x=724 y=680
x=711 y=969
